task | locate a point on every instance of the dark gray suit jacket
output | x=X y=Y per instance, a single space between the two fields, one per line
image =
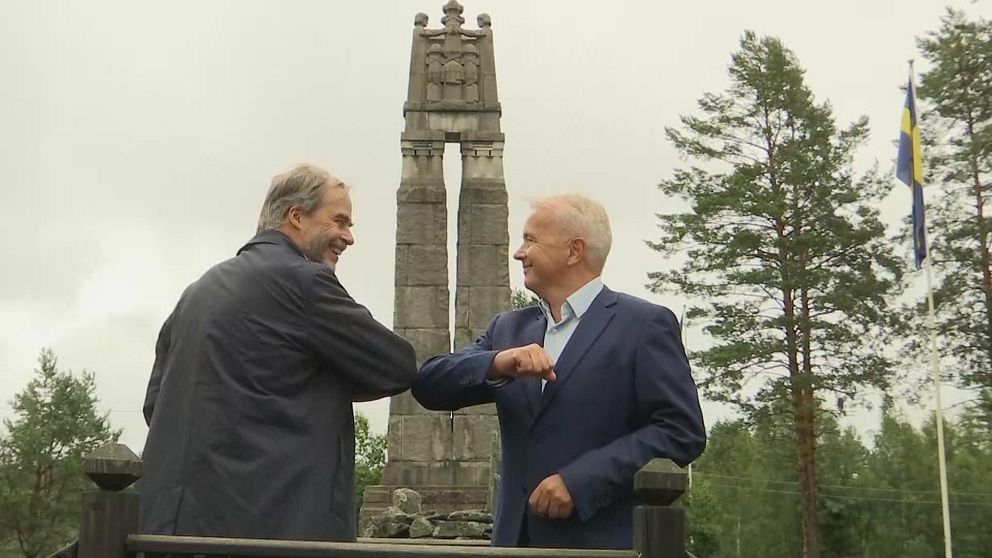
x=249 y=405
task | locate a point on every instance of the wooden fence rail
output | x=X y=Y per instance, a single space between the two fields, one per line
x=109 y=520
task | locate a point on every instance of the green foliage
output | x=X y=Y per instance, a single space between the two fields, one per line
x=782 y=243
x=880 y=501
x=370 y=458
x=56 y=424
x=702 y=516
x=520 y=298
x=784 y=251
x=956 y=93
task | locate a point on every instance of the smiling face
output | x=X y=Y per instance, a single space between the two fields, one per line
x=543 y=253
x=326 y=232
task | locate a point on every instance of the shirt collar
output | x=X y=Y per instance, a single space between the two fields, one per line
x=577 y=303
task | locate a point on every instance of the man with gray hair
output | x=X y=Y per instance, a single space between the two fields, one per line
x=249 y=406
x=589 y=386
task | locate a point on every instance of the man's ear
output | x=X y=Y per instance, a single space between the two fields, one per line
x=576 y=251
x=294 y=217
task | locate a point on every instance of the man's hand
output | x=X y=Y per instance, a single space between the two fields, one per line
x=530 y=361
x=551 y=499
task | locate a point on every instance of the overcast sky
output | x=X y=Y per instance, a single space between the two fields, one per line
x=137 y=139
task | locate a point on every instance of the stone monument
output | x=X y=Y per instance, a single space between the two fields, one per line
x=451 y=99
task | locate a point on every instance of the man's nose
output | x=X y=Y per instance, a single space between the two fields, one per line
x=519 y=254
x=348 y=237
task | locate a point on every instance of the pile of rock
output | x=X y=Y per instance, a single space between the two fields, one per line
x=407 y=519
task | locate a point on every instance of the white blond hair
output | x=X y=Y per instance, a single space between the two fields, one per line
x=577 y=216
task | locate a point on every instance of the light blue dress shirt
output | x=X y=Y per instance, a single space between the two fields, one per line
x=556 y=335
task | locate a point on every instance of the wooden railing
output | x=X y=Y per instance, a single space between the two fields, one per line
x=109 y=521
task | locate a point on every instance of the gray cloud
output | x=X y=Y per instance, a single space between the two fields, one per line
x=137 y=140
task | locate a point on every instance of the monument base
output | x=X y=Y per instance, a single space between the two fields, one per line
x=440 y=499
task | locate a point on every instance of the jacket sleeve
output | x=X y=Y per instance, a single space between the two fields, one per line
x=668 y=407
x=375 y=361
x=158 y=369
x=449 y=382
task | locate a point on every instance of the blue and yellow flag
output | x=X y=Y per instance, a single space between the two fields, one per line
x=909 y=169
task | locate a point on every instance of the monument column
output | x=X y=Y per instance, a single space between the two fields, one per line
x=417 y=437
x=452 y=98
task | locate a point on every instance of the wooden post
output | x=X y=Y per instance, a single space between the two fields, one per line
x=659 y=528
x=109 y=514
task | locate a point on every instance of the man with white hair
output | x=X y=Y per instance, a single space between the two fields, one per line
x=589 y=386
x=249 y=406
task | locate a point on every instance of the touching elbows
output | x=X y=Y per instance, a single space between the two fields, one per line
x=424 y=390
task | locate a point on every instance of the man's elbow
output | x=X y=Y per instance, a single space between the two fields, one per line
x=402 y=372
x=695 y=448
x=691 y=446
x=426 y=395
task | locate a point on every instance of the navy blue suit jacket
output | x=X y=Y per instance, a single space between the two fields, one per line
x=623 y=396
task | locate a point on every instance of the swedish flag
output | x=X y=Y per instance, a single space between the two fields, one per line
x=909 y=169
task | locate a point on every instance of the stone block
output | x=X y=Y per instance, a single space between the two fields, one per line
x=409 y=473
x=472 y=473
x=387 y=530
x=427 y=342
x=482 y=163
x=393 y=514
x=473 y=437
x=456 y=529
x=485 y=303
x=483 y=265
x=483 y=136
x=408 y=501
x=487 y=409
x=445 y=473
x=404 y=404
x=394 y=436
x=483 y=191
x=422 y=191
x=421 y=307
x=418 y=264
x=425 y=438
x=422 y=163
x=421 y=223
x=476 y=306
x=465 y=337
x=421 y=528
x=453 y=121
x=420 y=136
x=482 y=224
x=478 y=516
x=442 y=498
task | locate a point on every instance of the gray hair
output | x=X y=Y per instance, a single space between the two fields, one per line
x=578 y=216
x=302 y=186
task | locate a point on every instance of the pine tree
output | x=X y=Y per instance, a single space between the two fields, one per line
x=957 y=93
x=56 y=424
x=783 y=247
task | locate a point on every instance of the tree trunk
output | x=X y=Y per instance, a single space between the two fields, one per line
x=806 y=431
x=806 y=444
x=802 y=406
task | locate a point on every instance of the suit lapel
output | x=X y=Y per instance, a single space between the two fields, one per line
x=592 y=324
x=533 y=332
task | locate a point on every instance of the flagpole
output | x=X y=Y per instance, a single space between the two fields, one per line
x=935 y=371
